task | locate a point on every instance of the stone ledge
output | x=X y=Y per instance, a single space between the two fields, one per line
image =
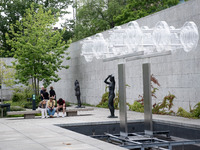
x=79 y=109
x=31 y=112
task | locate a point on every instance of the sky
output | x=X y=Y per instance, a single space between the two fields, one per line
x=67 y=16
x=61 y=19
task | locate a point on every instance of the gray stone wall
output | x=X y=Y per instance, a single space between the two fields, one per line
x=6 y=91
x=178 y=73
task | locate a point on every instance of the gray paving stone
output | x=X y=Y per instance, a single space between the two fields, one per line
x=45 y=134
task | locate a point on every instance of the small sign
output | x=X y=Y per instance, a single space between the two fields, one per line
x=33 y=96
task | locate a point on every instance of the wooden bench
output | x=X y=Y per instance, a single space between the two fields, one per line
x=27 y=114
x=73 y=111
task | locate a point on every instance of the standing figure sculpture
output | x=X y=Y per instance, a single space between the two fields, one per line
x=111 y=96
x=77 y=92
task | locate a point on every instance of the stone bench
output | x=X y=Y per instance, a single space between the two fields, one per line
x=73 y=111
x=27 y=114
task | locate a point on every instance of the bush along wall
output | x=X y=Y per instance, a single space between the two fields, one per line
x=194 y=113
x=163 y=107
x=104 y=100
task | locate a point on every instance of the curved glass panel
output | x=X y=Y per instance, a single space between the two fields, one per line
x=133 y=36
x=161 y=36
x=189 y=36
x=116 y=39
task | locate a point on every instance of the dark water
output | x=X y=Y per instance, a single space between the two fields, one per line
x=177 y=131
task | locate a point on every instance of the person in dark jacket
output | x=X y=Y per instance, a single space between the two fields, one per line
x=45 y=95
x=52 y=93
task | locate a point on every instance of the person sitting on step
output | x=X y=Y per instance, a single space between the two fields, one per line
x=50 y=107
x=42 y=107
x=61 y=106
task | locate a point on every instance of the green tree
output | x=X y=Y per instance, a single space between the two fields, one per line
x=94 y=16
x=13 y=10
x=136 y=9
x=6 y=74
x=39 y=51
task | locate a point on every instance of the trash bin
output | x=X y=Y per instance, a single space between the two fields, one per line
x=5 y=105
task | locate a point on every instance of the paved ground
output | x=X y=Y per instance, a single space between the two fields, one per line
x=42 y=134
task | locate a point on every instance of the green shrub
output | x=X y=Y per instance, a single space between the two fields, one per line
x=17 y=97
x=183 y=113
x=194 y=113
x=28 y=105
x=116 y=101
x=165 y=106
x=104 y=101
x=20 y=96
x=136 y=106
x=196 y=110
x=16 y=108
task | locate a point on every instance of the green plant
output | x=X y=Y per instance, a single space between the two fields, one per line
x=116 y=101
x=22 y=93
x=104 y=101
x=167 y=103
x=136 y=106
x=20 y=96
x=183 y=113
x=28 y=105
x=160 y=108
x=196 y=111
x=16 y=108
x=17 y=97
x=154 y=82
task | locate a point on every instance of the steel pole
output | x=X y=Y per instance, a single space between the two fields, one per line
x=122 y=100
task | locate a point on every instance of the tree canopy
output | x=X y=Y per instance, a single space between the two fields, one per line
x=95 y=16
x=136 y=9
x=13 y=10
x=39 y=51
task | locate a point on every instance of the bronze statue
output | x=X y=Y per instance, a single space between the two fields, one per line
x=111 y=96
x=77 y=92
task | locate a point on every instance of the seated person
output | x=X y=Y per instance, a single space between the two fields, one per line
x=61 y=106
x=50 y=107
x=42 y=106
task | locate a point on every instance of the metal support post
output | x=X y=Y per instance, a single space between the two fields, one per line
x=122 y=100
x=147 y=99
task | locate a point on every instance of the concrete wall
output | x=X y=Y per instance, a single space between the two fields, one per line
x=6 y=92
x=178 y=73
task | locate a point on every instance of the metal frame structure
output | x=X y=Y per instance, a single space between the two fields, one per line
x=138 y=43
x=141 y=141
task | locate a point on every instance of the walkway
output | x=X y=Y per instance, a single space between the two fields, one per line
x=42 y=134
